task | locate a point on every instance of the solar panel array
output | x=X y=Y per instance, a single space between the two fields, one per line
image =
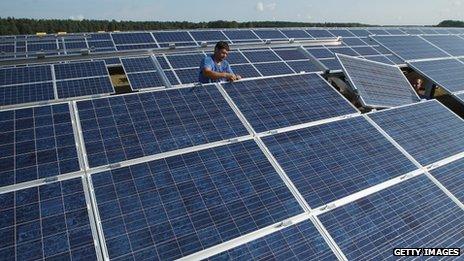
x=378 y=85
x=220 y=171
x=447 y=73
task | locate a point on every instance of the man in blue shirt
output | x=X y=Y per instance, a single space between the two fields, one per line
x=215 y=68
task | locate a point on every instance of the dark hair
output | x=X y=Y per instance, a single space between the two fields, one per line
x=221 y=45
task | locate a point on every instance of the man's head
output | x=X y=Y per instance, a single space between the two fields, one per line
x=221 y=50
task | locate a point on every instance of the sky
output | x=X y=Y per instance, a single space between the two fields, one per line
x=376 y=12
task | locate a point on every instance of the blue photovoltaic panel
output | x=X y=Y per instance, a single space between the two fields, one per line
x=163 y=62
x=49 y=222
x=132 y=126
x=290 y=54
x=261 y=56
x=333 y=64
x=245 y=70
x=378 y=85
x=303 y=66
x=341 y=32
x=38 y=47
x=76 y=45
x=320 y=33
x=296 y=34
x=171 y=77
x=451 y=44
x=353 y=42
x=412 y=30
x=36 y=143
x=132 y=38
x=429 y=31
x=140 y=64
x=172 y=37
x=434 y=136
x=380 y=59
x=187 y=203
x=205 y=36
x=411 y=214
x=237 y=35
x=79 y=70
x=298 y=242
x=365 y=50
x=343 y=50
x=331 y=161
x=26 y=93
x=451 y=176
x=144 y=80
x=448 y=73
x=185 y=60
x=112 y=61
x=28 y=74
x=393 y=31
x=236 y=58
x=410 y=47
x=136 y=46
x=270 y=69
x=100 y=44
x=84 y=87
x=187 y=76
x=284 y=101
x=382 y=32
x=271 y=34
x=359 y=32
x=320 y=52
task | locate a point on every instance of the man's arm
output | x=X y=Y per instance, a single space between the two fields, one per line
x=207 y=72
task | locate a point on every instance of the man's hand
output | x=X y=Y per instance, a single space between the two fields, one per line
x=233 y=77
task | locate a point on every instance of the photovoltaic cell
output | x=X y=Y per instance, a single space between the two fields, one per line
x=270 y=69
x=49 y=222
x=296 y=34
x=331 y=161
x=359 y=32
x=411 y=214
x=378 y=85
x=170 y=208
x=132 y=126
x=245 y=70
x=451 y=44
x=84 y=87
x=132 y=38
x=140 y=64
x=353 y=42
x=410 y=47
x=185 y=60
x=380 y=59
x=448 y=73
x=236 y=58
x=365 y=50
x=451 y=176
x=284 y=101
x=206 y=36
x=343 y=50
x=187 y=76
x=28 y=74
x=320 y=52
x=341 y=32
x=320 y=33
x=332 y=63
x=241 y=35
x=271 y=34
x=172 y=37
x=290 y=54
x=299 y=242
x=427 y=130
x=261 y=56
x=36 y=143
x=26 y=93
x=145 y=80
x=303 y=66
x=79 y=70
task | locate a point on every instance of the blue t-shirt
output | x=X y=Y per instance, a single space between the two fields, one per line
x=208 y=62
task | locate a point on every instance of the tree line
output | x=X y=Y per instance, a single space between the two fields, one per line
x=451 y=23
x=15 y=26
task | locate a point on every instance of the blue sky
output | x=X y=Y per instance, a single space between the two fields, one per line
x=382 y=12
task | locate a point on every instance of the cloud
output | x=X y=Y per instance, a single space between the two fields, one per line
x=77 y=17
x=261 y=7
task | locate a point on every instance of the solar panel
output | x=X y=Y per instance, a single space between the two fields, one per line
x=188 y=76
x=296 y=33
x=341 y=32
x=411 y=214
x=236 y=58
x=139 y=64
x=393 y=31
x=101 y=44
x=185 y=60
x=343 y=50
x=447 y=73
x=26 y=93
x=212 y=36
x=237 y=35
x=132 y=38
x=75 y=45
x=145 y=80
x=273 y=68
x=330 y=161
x=284 y=101
x=427 y=130
x=365 y=50
x=36 y=143
x=99 y=36
x=332 y=64
x=261 y=56
x=319 y=33
x=412 y=30
x=359 y=33
x=290 y=54
x=37 y=47
x=46 y=222
x=299 y=242
x=303 y=66
x=28 y=74
x=383 y=32
x=245 y=70
x=186 y=203
x=410 y=47
x=379 y=58
x=378 y=85
x=272 y=34
x=171 y=77
x=132 y=126
x=353 y=42
x=451 y=44
x=79 y=70
x=320 y=52
x=172 y=37
x=451 y=176
x=84 y=87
